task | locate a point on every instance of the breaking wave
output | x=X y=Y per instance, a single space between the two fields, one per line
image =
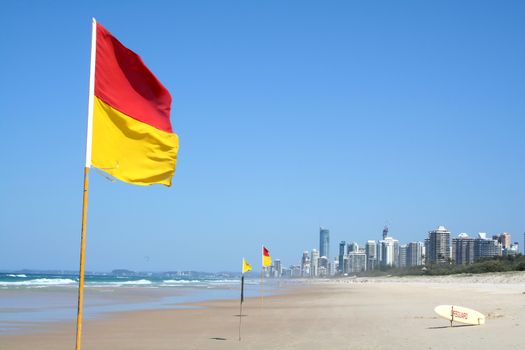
x=40 y=282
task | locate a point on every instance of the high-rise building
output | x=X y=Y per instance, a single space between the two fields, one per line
x=385 y=232
x=463 y=249
x=389 y=251
x=324 y=242
x=342 y=253
x=402 y=258
x=356 y=262
x=486 y=248
x=379 y=253
x=278 y=270
x=352 y=247
x=322 y=270
x=305 y=264
x=504 y=239
x=333 y=267
x=297 y=271
x=371 y=255
x=414 y=254
x=513 y=250
x=286 y=272
x=438 y=246
x=314 y=263
x=426 y=249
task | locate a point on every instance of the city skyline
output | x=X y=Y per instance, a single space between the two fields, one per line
x=504 y=238
x=438 y=247
x=291 y=116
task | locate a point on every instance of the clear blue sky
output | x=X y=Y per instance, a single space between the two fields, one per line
x=291 y=115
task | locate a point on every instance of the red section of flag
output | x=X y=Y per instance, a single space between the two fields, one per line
x=266 y=252
x=124 y=82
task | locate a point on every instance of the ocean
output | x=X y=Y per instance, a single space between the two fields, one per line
x=29 y=301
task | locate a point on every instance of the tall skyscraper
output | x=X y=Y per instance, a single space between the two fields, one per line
x=385 y=232
x=342 y=253
x=438 y=246
x=324 y=242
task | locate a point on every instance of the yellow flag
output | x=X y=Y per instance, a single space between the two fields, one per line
x=245 y=266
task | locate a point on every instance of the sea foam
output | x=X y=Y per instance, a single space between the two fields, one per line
x=40 y=282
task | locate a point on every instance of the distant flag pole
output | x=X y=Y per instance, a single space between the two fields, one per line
x=266 y=262
x=129 y=133
x=245 y=268
x=262 y=278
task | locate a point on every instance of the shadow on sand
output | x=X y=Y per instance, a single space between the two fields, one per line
x=456 y=326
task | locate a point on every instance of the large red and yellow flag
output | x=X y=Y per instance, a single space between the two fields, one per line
x=132 y=138
x=266 y=259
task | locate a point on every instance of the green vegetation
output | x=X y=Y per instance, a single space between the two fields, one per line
x=496 y=264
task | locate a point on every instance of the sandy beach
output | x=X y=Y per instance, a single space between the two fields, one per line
x=349 y=313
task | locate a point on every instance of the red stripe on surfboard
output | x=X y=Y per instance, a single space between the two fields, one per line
x=123 y=81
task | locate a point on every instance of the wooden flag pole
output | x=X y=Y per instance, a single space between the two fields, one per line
x=82 y=259
x=89 y=138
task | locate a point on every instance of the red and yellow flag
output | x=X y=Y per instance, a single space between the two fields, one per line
x=266 y=259
x=132 y=138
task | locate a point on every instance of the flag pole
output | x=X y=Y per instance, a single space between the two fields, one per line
x=262 y=275
x=86 y=184
x=240 y=307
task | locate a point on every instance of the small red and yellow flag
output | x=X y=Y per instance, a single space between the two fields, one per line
x=132 y=139
x=266 y=259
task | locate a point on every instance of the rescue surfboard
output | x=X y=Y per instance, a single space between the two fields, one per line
x=460 y=314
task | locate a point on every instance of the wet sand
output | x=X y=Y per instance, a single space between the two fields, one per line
x=363 y=313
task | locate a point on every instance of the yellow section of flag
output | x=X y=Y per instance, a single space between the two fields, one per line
x=245 y=266
x=132 y=151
